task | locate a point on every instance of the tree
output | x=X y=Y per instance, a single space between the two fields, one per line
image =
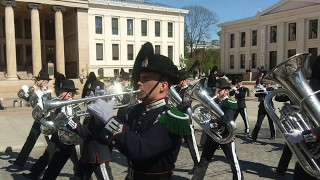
x=198 y=24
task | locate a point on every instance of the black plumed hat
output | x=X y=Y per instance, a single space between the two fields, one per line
x=68 y=85
x=162 y=65
x=222 y=83
x=183 y=74
x=43 y=75
x=92 y=77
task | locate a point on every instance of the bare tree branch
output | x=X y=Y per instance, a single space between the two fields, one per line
x=198 y=25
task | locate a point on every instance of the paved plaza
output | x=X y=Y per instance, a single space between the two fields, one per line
x=255 y=158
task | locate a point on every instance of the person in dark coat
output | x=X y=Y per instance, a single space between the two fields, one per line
x=262 y=113
x=189 y=139
x=151 y=135
x=64 y=149
x=41 y=81
x=95 y=156
x=228 y=106
x=240 y=94
x=311 y=137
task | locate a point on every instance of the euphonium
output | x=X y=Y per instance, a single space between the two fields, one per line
x=209 y=110
x=304 y=114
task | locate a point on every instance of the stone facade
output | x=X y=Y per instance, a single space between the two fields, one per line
x=285 y=29
x=34 y=33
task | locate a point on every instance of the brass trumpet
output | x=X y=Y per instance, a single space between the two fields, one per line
x=50 y=105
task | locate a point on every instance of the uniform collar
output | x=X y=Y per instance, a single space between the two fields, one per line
x=155 y=105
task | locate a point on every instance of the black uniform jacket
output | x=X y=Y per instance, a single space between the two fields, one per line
x=149 y=146
x=92 y=150
x=240 y=97
x=229 y=107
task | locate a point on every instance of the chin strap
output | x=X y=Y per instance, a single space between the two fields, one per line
x=148 y=95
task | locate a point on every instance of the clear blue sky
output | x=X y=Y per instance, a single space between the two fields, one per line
x=226 y=10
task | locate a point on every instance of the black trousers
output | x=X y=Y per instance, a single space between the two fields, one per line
x=299 y=173
x=40 y=165
x=261 y=114
x=284 y=160
x=29 y=144
x=85 y=170
x=59 y=159
x=244 y=115
x=207 y=154
x=189 y=141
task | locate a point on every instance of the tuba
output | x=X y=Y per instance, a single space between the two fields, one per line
x=203 y=112
x=304 y=114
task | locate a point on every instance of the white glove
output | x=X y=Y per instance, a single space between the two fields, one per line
x=98 y=91
x=101 y=109
x=294 y=136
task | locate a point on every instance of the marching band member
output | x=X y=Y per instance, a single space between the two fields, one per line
x=151 y=135
x=311 y=137
x=39 y=166
x=95 y=157
x=41 y=81
x=63 y=151
x=240 y=94
x=229 y=107
x=189 y=139
x=261 y=114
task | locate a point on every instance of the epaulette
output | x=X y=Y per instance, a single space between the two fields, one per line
x=176 y=121
x=245 y=88
x=230 y=103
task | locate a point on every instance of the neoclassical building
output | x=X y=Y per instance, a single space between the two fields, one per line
x=267 y=39
x=79 y=36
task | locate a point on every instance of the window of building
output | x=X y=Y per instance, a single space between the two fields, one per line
x=98 y=20
x=231 y=40
x=116 y=72
x=273 y=59
x=170 y=52
x=130 y=51
x=170 y=29
x=27 y=28
x=273 y=34
x=242 y=61
x=313 y=29
x=291 y=52
x=231 y=61
x=144 y=28
x=99 y=51
x=243 y=39
x=115 y=51
x=254 y=60
x=313 y=57
x=50 y=30
x=18 y=27
x=157 y=28
x=115 y=28
x=254 y=37
x=157 y=49
x=292 y=31
x=129 y=27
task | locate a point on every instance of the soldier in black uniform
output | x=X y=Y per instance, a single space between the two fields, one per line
x=229 y=107
x=42 y=81
x=63 y=151
x=189 y=139
x=261 y=114
x=95 y=156
x=311 y=137
x=151 y=135
x=240 y=94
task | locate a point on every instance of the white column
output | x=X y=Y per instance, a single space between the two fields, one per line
x=60 y=59
x=10 y=40
x=36 y=41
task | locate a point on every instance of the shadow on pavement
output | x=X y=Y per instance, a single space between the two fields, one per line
x=118 y=158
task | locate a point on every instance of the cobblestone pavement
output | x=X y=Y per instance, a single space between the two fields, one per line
x=255 y=158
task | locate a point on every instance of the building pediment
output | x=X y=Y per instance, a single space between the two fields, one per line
x=287 y=5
